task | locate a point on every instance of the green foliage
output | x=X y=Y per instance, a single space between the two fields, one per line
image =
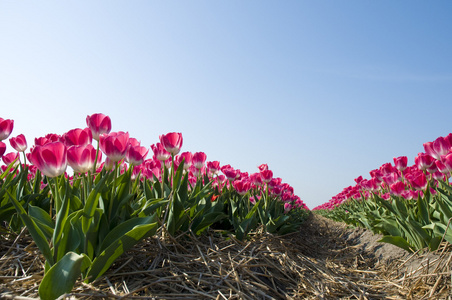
x=408 y=224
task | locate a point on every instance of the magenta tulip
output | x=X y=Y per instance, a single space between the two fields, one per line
x=188 y=160
x=199 y=158
x=6 y=127
x=438 y=147
x=159 y=152
x=401 y=163
x=77 y=137
x=11 y=157
x=81 y=158
x=114 y=145
x=50 y=159
x=136 y=155
x=423 y=161
x=419 y=181
x=172 y=142
x=230 y=173
x=263 y=167
x=19 y=143
x=2 y=148
x=267 y=175
x=397 y=188
x=98 y=124
x=241 y=186
x=213 y=167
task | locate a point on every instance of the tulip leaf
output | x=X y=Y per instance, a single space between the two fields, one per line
x=397 y=241
x=61 y=277
x=37 y=234
x=120 y=245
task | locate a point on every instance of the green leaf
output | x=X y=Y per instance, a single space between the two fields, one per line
x=397 y=241
x=118 y=247
x=61 y=277
x=42 y=219
x=36 y=233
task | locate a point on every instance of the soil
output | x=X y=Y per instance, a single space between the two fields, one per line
x=324 y=260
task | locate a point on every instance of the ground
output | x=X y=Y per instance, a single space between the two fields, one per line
x=323 y=260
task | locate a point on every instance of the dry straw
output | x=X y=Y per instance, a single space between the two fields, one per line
x=318 y=262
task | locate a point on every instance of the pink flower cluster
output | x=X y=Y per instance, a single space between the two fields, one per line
x=52 y=154
x=401 y=180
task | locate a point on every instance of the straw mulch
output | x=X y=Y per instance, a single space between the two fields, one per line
x=318 y=262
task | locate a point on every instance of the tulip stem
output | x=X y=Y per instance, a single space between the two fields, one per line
x=110 y=209
x=95 y=161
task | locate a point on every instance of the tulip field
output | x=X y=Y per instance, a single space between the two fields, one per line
x=115 y=195
x=411 y=206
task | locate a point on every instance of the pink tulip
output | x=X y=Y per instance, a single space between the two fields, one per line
x=159 y=152
x=447 y=162
x=98 y=124
x=267 y=175
x=213 y=167
x=6 y=127
x=419 y=181
x=241 y=186
x=19 y=143
x=199 y=158
x=77 y=137
x=438 y=147
x=397 y=188
x=287 y=207
x=10 y=157
x=136 y=155
x=401 y=162
x=2 y=148
x=172 y=142
x=443 y=168
x=50 y=159
x=230 y=174
x=263 y=167
x=423 y=161
x=114 y=145
x=81 y=158
x=188 y=160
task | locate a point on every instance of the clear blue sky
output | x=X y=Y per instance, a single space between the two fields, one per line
x=321 y=91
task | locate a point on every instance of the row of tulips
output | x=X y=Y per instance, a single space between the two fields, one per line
x=83 y=221
x=410 y=205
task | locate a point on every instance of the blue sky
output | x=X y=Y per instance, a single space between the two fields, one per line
x=321 y=91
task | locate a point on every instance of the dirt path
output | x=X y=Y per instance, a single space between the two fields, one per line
x=324 y=260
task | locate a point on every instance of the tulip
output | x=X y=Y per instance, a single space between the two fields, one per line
x=419 y=181
x=199 y=158
x=114 y=145
x=423 y=161
x=287 y=207
x=81 y=158
x=136 y=155
x=213 y=167
x=397 y=188
x=159 y=152
x=267 y=175
x=50 y=159
x=77 y=137
x=10 y=158
x=2 y=148
x=437 y=148
x=6 y=127
x=241 y=186
x=401 y=163
x=187 y=157
x=98 y=124
x=230 y=173
x=19 y=143
x=172 y=142
x=263 y=167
